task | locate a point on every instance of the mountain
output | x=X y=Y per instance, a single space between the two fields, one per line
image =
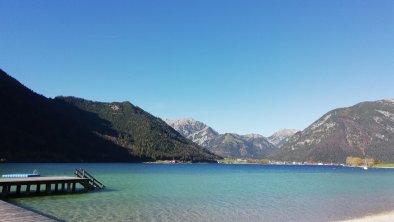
x=194 y=130
x=228 y=145
x=363 y=130
x=31 y=129
x=34 y=128
x=251 y=146
x=281 y=137
x=144 y=135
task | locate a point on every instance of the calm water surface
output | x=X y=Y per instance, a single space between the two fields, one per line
x=215 y=192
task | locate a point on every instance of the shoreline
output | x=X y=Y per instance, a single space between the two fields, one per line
x=379 y=217
x=14 y=212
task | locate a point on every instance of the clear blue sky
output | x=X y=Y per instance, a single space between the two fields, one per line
x=239 y=66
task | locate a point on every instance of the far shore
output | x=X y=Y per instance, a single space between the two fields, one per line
x=381 y=217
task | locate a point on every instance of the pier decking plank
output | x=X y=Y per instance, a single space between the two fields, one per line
x=12 y=213
x=40 y=179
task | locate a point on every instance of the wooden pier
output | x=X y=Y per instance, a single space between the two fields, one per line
x=12 y=213
x=41 y=185
x=48 y=185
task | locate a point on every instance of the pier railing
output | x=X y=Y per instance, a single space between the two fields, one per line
x=93 y=183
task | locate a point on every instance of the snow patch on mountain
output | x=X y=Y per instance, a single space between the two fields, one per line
x=386 y=114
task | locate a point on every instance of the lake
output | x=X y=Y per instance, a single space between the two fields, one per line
x=216 y=192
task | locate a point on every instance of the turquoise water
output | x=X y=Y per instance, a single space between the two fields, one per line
x=216 y=192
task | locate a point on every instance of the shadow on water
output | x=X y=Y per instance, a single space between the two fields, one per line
x=35 y=211
x=10 y=199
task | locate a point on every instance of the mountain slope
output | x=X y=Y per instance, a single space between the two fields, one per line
x=142 y=134
x=193 y=130
x=281 y=137
x=34 y=128
x=363 y=130
x=226 y=145
x=241 y=146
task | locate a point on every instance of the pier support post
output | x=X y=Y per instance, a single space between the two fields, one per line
x=38 y=187
x=73 y=187
x=18 y=189
x=56 y=187
x=27 y=188
x=63 y=187
x=48 y=188
x=68 y=187
x=4 y=190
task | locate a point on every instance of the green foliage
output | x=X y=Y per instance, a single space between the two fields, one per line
x=37 y=129
x=142 y=134
x=391 y=165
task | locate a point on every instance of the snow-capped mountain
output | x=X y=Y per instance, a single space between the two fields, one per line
x=281 y=137
x=228 y=145
x=195 y=131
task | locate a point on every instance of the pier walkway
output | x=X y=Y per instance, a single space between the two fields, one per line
x=12 y=213
x=41 y=185
x=48 y=185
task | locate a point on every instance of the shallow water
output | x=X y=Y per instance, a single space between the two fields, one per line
x=216 y=192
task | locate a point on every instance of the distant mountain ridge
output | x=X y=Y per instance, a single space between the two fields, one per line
x=34 y=128
x=227 y=145
x=193 y=130
x=281 y=137
x=242 y=146
x=363 y=130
